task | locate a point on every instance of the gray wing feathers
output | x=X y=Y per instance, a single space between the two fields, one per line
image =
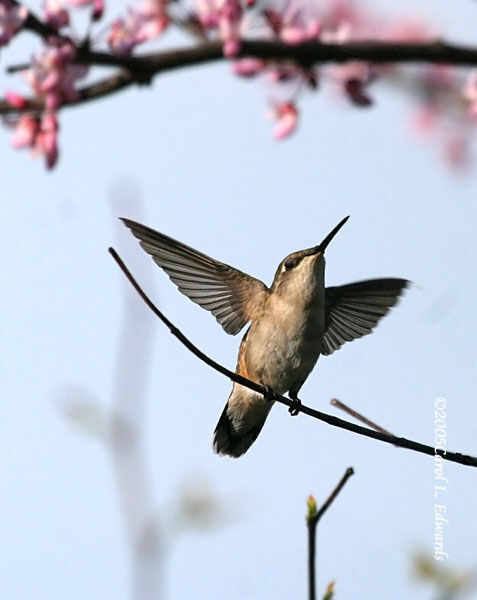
x=353 y=310
x=233 y=297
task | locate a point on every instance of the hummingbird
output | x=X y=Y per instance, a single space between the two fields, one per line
x=292 y=322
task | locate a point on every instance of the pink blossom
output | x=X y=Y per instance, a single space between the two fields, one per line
x=230 y=21
x=344 y=20
x=144 y=22
x=227 y=16
x=352 y=78
x=47 y=139
x=154 y=17
x=53 y=74
x=293 y=24
x=25 y=131
x=231 y=47
x=55 y=13
x=39 y=134
x=124 y=35
x=286 y=115
x=12 y=17
x=98 y=9
x=249 y=67
x=355 y=78
x=97 y=6
x=469 y=94
x=208 y=13
x=15 y=100
x=356 y=92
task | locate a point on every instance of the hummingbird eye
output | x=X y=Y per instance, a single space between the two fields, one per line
x=290 y=264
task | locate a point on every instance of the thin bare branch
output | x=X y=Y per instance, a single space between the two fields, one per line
x=331 y=498
x=401 y=442
x=312 y=521
x=356 y=415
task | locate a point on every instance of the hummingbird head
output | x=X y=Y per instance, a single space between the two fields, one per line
x=303 y=271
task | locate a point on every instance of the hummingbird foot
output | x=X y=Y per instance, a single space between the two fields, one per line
x=294 y=410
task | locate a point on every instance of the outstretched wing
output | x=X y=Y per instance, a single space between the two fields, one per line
x=353 y=310
x=233 y=297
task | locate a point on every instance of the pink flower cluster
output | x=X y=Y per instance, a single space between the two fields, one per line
x=38 y=133
x=342 y=21
x=12 y=16
x=293 y=24
x=227 y=18
x=286 y=116
x=447 y=112
x=52 y=76
x=57 y=15
x=142 y=23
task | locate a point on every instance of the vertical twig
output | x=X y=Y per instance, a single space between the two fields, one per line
x=311 y=550
x=312 y=518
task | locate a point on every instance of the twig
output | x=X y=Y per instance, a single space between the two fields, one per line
x=457 y=457
x=358 y=416
x=349 y=471
x=141 y=69
x=312 y=521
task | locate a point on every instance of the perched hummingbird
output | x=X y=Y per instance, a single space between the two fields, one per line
x=292 y=322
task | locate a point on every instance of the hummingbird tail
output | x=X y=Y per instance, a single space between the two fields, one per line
x=239 y=424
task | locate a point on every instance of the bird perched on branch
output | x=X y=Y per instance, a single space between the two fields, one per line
x=292 y=322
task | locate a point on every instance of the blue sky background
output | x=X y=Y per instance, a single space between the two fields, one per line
x=192 y=156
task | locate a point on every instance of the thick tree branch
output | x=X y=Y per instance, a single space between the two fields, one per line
x=141 y=69
x=34 y=24
x=306 y=54
x=401 y=442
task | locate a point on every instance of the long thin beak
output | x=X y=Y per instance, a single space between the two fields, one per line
x=322 y=247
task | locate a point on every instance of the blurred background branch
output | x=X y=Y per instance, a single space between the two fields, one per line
x=128 y=453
